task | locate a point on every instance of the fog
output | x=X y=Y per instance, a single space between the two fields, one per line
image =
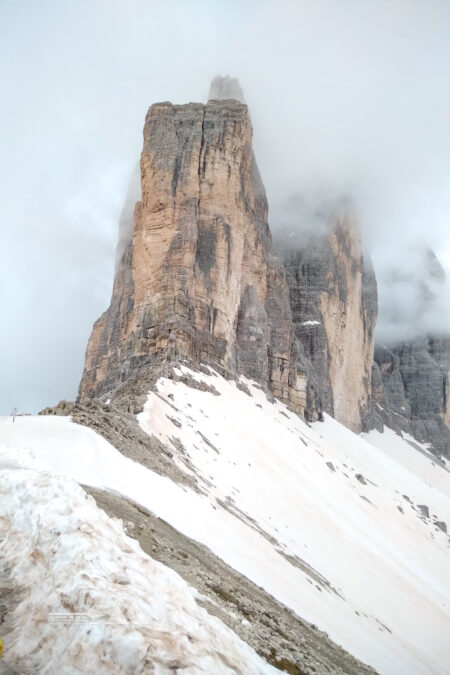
x=347 y=98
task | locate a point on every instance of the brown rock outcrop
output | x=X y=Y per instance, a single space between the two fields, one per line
x=199 y=278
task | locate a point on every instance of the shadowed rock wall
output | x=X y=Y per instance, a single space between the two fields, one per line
x=412 y=389
x=410 y=383
x=334 y=304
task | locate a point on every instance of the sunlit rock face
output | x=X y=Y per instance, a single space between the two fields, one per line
x=333 y=298
x=199 y=277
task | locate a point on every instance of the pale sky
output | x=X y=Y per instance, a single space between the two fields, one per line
x=345 y=96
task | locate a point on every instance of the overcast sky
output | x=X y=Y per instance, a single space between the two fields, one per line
x=346 y=97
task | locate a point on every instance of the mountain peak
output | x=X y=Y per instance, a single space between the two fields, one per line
x=199 y=279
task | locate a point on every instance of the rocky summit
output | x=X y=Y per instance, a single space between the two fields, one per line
x=198 y=279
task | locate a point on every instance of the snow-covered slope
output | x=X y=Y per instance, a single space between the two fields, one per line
x=322 y=519
x=86 y=598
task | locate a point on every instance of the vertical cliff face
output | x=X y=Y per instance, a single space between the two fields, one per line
x=411 y=384
x=440 y=352
x=334 y=303
x=199 y=278
x=414 y=390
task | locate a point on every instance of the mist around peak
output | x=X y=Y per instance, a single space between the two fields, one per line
x=414 y=297
x=413 y=287
x=223 y=87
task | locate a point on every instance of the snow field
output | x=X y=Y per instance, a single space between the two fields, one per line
x=315 y=515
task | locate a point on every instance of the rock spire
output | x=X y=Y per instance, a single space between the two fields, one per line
x=199 y=278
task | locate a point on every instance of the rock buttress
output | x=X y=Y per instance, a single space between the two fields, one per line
x=411 y=385
x=415 y=389
x=199 y=278
x=333 y=297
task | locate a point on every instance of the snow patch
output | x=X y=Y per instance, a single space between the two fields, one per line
x=88 y=600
